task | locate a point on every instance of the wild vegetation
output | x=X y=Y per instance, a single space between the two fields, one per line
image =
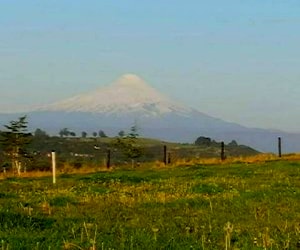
x=192 y=206
x=196 y=201
x=23 y=151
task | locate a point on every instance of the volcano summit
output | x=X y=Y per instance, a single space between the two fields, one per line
x=128 y=94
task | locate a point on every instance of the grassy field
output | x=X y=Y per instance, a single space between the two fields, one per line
x=190 y=206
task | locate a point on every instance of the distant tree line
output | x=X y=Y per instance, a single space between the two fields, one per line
x=65 y=132
x=208 y=142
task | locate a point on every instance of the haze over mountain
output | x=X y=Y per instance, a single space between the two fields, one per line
x=130 y=100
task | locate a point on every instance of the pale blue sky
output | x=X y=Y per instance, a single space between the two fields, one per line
x=238 y=60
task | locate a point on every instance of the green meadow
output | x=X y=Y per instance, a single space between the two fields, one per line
x=212 y=206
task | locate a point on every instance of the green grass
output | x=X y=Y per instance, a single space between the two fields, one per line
x=238 y=206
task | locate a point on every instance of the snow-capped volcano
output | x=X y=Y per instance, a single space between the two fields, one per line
x=131 y=100
x=128 y=94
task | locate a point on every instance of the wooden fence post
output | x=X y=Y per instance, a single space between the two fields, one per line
x=108 y=159
x=223 y=157
x=169 y=158
x=53 y=166
x=165 y=155
x=279 y=146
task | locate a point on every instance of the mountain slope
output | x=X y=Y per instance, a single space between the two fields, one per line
x=131 y=100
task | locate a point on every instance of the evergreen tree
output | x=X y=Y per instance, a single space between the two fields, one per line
x=83 y=134
x=73 y=134
x=129 y=144
x=102 y=134
x=121 y=133
x=40 y=134
x=64 y=132
x=14 y=141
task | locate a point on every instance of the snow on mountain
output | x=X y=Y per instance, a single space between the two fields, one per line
x=130 y=99
x=128 y=94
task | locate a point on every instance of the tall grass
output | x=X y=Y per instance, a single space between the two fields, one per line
x=249 y=203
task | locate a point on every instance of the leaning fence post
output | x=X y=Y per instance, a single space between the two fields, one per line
x=223 y=157
x=279 y=146
x=165 y=155
x=169 y=158
x=53 y=166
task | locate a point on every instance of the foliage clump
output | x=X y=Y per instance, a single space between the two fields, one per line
x=14 y=141
x=128 y=144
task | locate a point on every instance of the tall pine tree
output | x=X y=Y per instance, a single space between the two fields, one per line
x=14 y=141
x=129 y=145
